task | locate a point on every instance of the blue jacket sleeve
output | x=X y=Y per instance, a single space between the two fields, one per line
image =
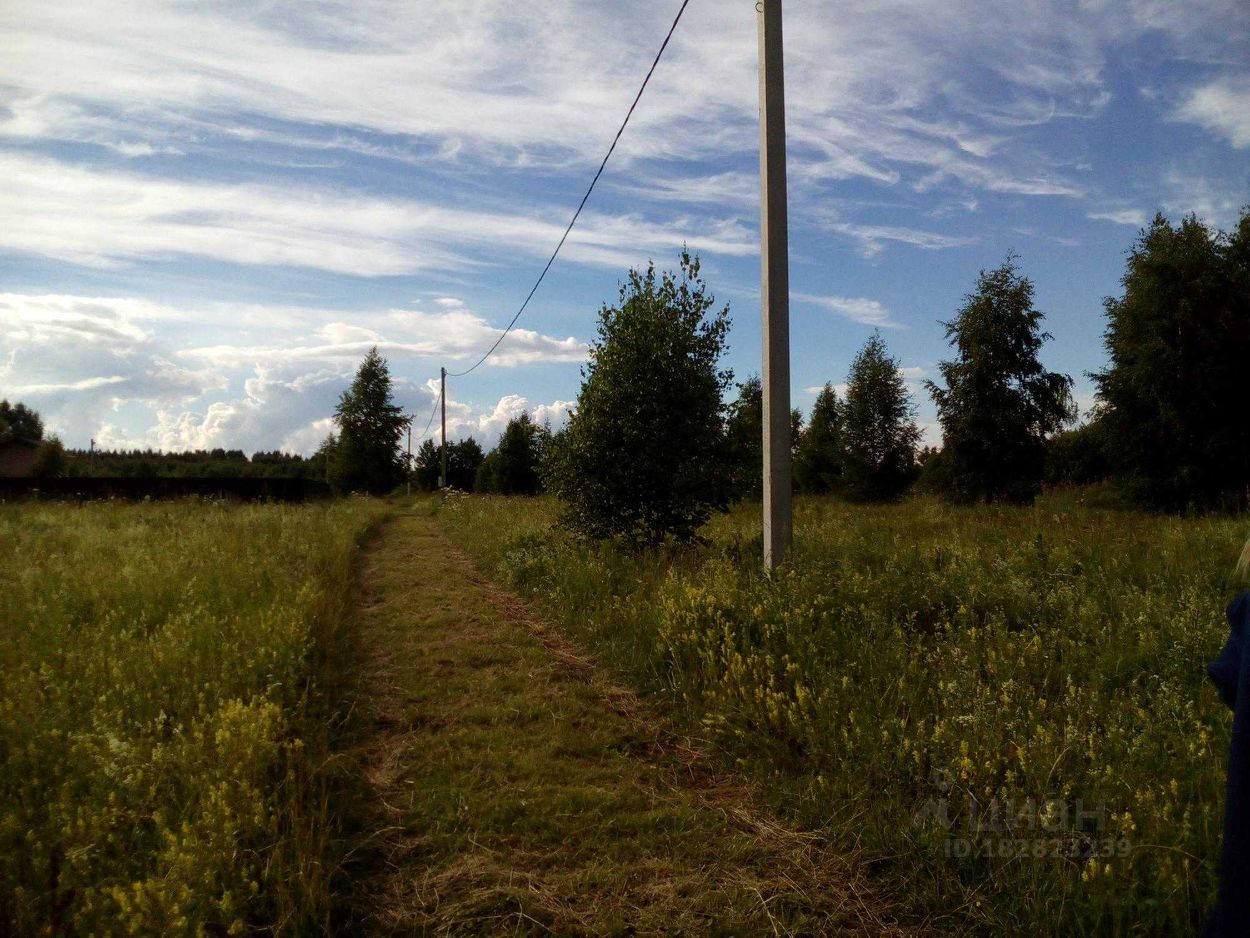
x=1231 y=674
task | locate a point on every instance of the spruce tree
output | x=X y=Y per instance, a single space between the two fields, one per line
x=819 y=458
x=878 y=427
x=744 y=431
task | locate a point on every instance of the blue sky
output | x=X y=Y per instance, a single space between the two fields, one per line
x=210 y=210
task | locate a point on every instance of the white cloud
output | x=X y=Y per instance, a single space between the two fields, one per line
x=511 y=406
x=79 y=360
x=1222 y=107
x=911 y=375
x=281 y=407
x=102 y=218
x=307 y=438
x=1123 y=216
x=1188 y=192
x=857 y=309
x=456 y=334
x=908 y=90
x=872 y=238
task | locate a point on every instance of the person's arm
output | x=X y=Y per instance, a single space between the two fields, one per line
x=1231 y=674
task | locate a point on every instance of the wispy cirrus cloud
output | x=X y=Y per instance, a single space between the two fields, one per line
x=872 y=239
x=884 y=92
x=862 y=310
x=104 y=217
x=454 y=334
x=1121 y=216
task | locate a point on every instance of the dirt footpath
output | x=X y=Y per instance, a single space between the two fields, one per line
x=511 y=788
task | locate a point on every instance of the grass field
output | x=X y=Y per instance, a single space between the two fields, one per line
x=173 y=679
x=923 y=675
x=166 y=713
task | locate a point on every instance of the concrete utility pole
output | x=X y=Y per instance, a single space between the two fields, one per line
x=774 y=287
x=442 y=481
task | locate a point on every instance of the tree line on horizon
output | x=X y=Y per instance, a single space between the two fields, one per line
x=654 y=444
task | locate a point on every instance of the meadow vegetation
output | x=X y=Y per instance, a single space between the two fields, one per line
x=920 y=666
x=167 y=711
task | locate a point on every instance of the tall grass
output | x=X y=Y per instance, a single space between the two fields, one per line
x=165 y=697
x=922 y=674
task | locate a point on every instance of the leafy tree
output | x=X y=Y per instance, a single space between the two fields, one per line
x=999 y=404
x=514 y=466
x=19 y=422
x=744 y=431
x=464 y=458
x=323 y=459
x=1178 y=340
x=643 y=457
x=878 y=427
x=1079 y=456
x=487 y=479
x=50 y=460
x=820 y=456
x=428 y=466
x=367 y=457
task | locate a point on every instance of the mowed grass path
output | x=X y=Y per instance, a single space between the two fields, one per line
x=511 y=788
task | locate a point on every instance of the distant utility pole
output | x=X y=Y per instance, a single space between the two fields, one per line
x=408 y=462
x=774 y=287
x=442 y=481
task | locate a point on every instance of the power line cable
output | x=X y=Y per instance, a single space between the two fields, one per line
x=582 y=205
x=438 y=397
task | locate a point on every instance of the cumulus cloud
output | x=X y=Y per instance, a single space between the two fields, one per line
x=511 y=406
x=277 y=404
x=76 y=359
x=79 y=360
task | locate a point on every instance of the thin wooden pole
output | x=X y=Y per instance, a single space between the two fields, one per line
x=774 y=287
x=442 y=482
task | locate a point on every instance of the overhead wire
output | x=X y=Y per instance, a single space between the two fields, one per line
x=585 y=198
x=438 y=397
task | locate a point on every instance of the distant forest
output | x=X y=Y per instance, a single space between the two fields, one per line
x=205 y=464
